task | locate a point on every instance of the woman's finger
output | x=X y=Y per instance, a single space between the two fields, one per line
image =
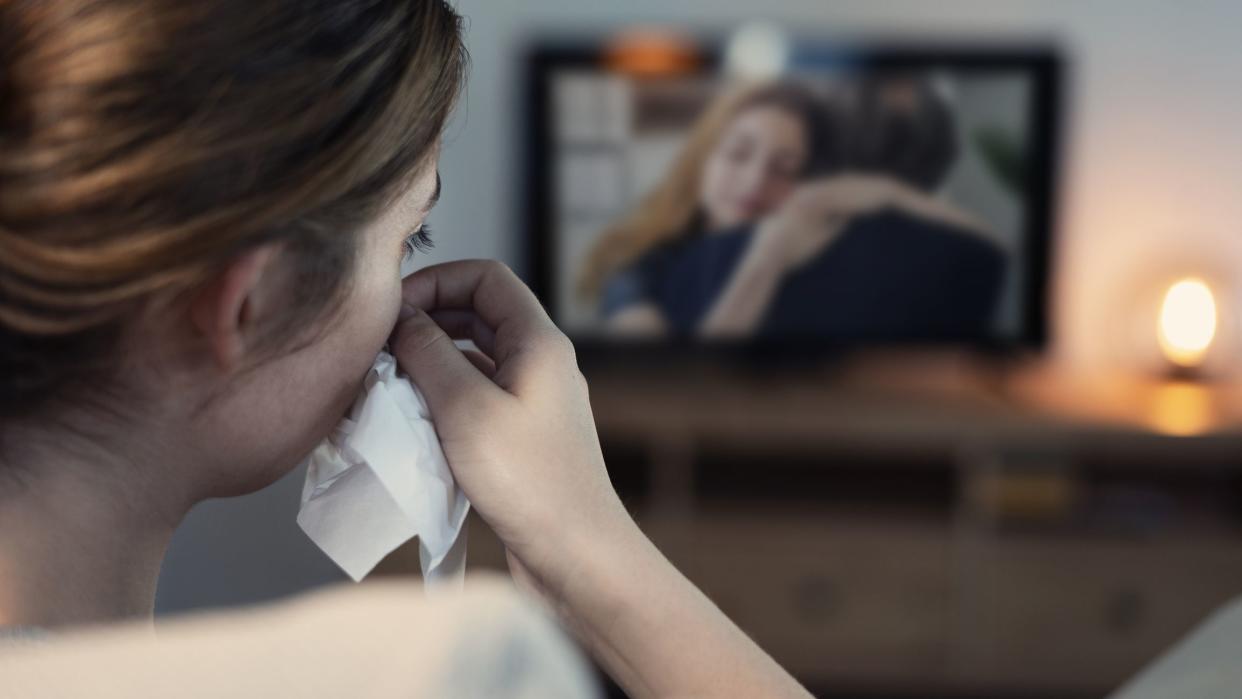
x=486 y=287
x=524 y=337
x=481 y=362
x=448 y=379
x=466 y=325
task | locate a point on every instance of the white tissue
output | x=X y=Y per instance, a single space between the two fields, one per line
x=381 y=479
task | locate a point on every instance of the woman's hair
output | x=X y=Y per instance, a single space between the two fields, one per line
x=145 y=143
x=671 y=210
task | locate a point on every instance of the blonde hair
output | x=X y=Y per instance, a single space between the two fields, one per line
x=670 y=210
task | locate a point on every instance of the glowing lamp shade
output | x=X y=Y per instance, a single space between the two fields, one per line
x=1187 y=322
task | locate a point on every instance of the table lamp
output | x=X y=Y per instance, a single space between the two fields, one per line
x=1186 y=325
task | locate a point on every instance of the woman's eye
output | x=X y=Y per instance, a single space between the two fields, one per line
x=418 y=241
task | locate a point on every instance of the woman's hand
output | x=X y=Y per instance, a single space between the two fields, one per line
x=514 y=421
x=517 y=430
x=816 y=213
x=810 y=220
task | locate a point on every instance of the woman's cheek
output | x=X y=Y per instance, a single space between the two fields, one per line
x=388 y=306
x=716 y=197
x=780 y=191
x=374 y=310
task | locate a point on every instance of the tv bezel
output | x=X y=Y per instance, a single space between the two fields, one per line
x=1045 y=65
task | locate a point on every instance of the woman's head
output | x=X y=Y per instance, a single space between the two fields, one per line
x=758 y=156
x=743 y=156
x=203 y=207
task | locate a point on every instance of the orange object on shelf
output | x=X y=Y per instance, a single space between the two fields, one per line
x=652 y=52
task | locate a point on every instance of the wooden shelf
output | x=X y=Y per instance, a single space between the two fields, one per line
x=902 y=404
x=999 y=564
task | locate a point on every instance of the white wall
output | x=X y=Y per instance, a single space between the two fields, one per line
x=1153 y=173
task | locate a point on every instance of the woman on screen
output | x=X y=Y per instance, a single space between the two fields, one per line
x=768 y=180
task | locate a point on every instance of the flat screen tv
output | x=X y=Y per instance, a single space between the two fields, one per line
x=866 y=195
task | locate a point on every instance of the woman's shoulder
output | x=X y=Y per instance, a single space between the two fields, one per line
x=1201 y=666
x=635 y=282
x=689 y=249
x=376 y=639
x=13 y=636
x=484 y=640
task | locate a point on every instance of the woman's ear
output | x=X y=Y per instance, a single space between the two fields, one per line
x=225 y=311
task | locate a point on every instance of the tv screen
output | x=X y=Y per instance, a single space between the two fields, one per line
x=862 y=196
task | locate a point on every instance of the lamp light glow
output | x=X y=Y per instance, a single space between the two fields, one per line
x=1187 y=322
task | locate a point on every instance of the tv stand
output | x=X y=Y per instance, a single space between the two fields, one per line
x=914 y=525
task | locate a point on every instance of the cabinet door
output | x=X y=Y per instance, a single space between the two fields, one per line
x=1086 y=615
x=834 y=599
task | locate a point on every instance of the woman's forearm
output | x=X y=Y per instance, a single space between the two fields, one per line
x=656 y=634
x=740 y=308
x=928 y=207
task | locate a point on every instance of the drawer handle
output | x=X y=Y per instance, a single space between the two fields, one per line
x=1126 y=612
x=816 y=600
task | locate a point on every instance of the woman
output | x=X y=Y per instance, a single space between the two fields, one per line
x=203 y=212
x=689 y=262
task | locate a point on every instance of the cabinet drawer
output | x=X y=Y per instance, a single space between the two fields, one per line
x=1088 y=615
x=832 y=599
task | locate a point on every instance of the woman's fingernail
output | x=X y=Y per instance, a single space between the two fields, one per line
x=407 y=311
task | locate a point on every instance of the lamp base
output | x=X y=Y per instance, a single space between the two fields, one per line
x=1188 y=374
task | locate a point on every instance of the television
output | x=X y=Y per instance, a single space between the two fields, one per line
x=865 y=195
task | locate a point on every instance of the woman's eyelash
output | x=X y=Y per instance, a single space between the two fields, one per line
x=420 y=241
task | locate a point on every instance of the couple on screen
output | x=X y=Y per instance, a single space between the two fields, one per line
x=790 y=215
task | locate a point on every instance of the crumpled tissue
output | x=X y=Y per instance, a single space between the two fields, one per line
x=380 y=479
